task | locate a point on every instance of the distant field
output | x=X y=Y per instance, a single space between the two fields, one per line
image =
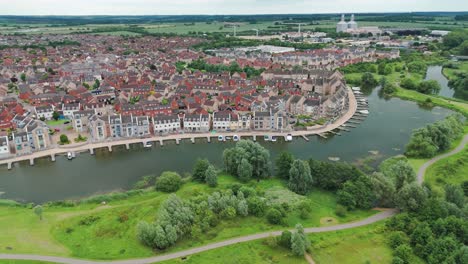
x=205 y=27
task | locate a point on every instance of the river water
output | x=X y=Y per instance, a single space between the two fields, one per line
x=435 y=73
x=387 y=129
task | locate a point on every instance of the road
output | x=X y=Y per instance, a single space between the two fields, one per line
x=372 y=219
x=422 y=170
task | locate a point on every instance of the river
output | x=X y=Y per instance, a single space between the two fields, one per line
x=387 y=129
x=435 y=73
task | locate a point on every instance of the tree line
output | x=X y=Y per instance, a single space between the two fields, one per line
x=428 y=141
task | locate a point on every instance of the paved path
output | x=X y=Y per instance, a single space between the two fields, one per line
x=422 y=170
x=372 y=219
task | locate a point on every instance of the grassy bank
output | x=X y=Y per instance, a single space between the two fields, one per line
x=358 y=245
x=107 y=231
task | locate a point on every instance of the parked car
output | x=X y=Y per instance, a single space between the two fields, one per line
x=66 y=122
x=57 y=130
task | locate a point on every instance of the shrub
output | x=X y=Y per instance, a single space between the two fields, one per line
x=168 y=182
x=285 y=239
x=397 y=238
x=341 y=211
x=256 y=206
x=274 y=216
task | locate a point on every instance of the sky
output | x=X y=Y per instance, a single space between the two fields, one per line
x=221 y=7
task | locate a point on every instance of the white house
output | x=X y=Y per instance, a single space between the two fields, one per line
x=45 y=112
x=165 y=124
x=197 y=123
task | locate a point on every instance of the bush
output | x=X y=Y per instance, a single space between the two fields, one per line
x=168 y=182
x=397 y=238
x=274 y=216
x=284 y=240
x=256 y=205
x=341 y=211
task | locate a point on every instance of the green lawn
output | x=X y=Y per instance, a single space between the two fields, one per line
x=112 y=234
x=56 y=122
x=6 y=261
x=358 y=245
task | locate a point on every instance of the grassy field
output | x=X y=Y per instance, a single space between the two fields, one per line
x=6 y=261
x=358 y=245
x=203 y=27
x=244 y=253
x=451 y=170
x=111 y=235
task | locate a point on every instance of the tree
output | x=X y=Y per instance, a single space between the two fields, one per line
x=199 y=170
x=454 y=194
x=384 y=189
x=23 y=77
x=357 y=193
x=368 y=80
x=300 y=179
x=176 y=213
x=244 y=171
x=332 y=175
x=283 y=164
x=96 y=84
x=408 y=83
x=168 y=182
x=253 y=153
x=429 y=87
x=411 y=198
x=299 y=241
x=401 y=173
x=403 y=252
x=64 y=139
x=38 y=211
x=274 y=216
x=397 y=238
x=211 y=177
x=256 y=205
x=55 y=115
x=285 y=239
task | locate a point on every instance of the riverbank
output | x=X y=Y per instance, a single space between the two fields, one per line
x=52 y=153
x=62 y=232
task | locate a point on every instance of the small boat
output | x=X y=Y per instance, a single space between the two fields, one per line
x=364 y=112
x=227 y=138
x=220 y=138
x=289 y=137
x=148 y=145
x=273 y=138
x=69 y=156
x=266 y=138
x=334 y=158
x=235 y=138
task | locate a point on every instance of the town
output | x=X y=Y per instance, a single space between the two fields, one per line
x=98 y=88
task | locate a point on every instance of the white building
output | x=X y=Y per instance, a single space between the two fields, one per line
x=342 y=26
x=45 y=112
x=165 y=124
x=197 y=123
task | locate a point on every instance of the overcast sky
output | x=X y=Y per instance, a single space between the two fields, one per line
x=182 y=7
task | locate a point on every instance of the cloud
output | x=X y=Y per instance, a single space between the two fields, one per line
x=181 y=7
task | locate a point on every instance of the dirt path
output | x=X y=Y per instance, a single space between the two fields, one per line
x=367 y=221
x=459 y=148
x=309 y=258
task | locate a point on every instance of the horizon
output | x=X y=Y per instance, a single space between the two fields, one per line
x=222 y=7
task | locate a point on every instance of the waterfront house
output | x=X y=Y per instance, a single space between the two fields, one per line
x=196 y=123
x=33 y=136
x=80 y=120
x=98 y=127
x=269 y=120
x=4 y=146
x=115 y=126
x=165 y=124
